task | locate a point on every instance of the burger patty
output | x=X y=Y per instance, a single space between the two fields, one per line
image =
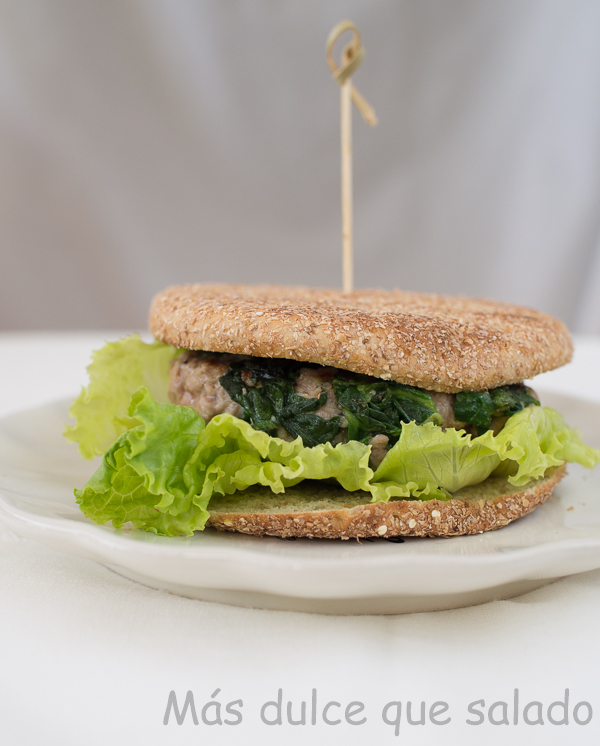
x=194 y=382
x=325 y=404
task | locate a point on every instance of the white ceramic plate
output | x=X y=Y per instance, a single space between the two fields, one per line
x=39 y=469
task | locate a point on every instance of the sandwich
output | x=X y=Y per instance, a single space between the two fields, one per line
x=298 y=412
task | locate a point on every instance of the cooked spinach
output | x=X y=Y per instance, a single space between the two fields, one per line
x=509 y=400
x=265 y=391
x=374 y=407
x=264 y=388
x=479 y=408
x=475 y=407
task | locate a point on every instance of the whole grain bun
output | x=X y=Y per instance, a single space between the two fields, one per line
x=435 y=342
x=319 y=510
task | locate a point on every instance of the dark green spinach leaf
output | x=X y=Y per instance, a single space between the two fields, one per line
x=479 y=408
x=374 y=407
x=265 y=391
x=475 y=407
x=509 y=400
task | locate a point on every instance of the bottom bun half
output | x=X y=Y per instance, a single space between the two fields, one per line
x=321 y=510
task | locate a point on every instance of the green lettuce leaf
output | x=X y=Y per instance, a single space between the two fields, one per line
x=161 y=473
x=427 y=462
x=145 y=465
x=116 y=372
x=536 y=439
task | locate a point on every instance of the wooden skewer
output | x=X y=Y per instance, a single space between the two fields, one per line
x=347 y=226
x=352 y=56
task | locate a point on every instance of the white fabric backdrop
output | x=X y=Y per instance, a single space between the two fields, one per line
x=145 y=142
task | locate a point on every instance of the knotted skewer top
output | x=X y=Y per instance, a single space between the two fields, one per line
x=352 y=56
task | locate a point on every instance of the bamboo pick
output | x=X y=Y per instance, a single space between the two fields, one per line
x=352 y=56
x=347 y=214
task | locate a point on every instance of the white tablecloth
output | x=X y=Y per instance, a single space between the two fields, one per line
x=89 y=658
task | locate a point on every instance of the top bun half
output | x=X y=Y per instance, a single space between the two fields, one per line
x=436 y=342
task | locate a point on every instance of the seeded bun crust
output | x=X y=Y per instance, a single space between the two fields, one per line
x=319 y=511
x=435 y=342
